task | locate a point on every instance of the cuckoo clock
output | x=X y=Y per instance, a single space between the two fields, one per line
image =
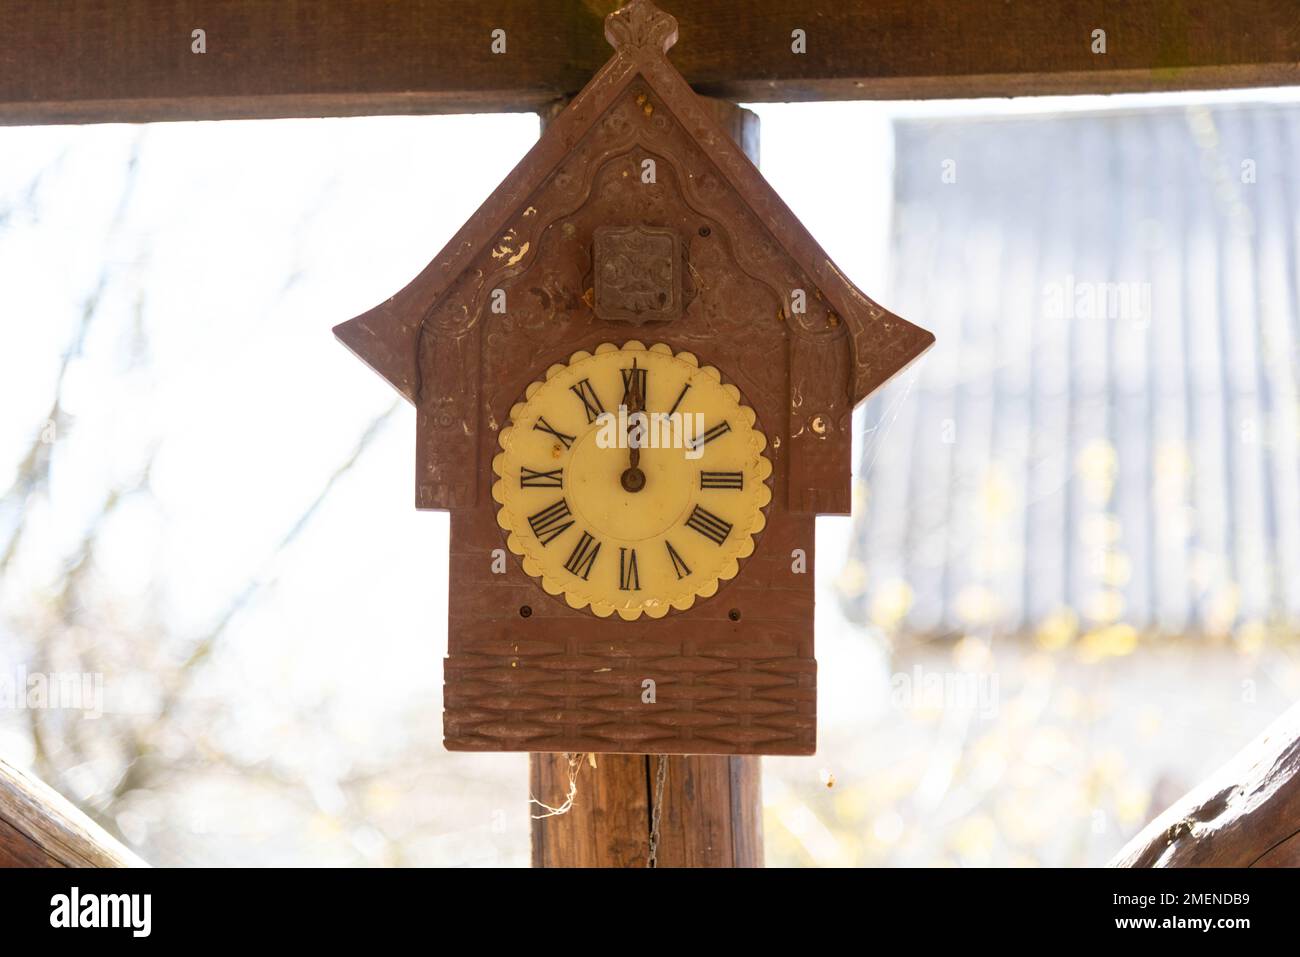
x=635 y=373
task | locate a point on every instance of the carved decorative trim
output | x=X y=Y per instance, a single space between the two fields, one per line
x=640 y=24
x=638 y=274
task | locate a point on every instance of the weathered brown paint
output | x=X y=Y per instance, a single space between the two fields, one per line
x=559 y=679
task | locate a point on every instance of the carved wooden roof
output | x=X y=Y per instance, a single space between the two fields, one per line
x=387 y=337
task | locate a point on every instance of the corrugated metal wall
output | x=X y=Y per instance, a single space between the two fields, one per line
x=1107 y=435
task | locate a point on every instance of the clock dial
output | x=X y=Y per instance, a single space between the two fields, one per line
x=631 y=480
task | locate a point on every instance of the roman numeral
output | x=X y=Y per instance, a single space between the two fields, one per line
x=551 y=522
x=679 y=566
x=709 y=525
x=590 y=401
x=722 y=479
x=544 y=426
x=531 y=478
x=681 y=395
x=640 y=378
x=583 y=556
x=628 y=579
x=721 y=428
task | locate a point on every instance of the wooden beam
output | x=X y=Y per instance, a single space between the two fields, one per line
x=91 y=61
x=1246 y=814
x=41 y=828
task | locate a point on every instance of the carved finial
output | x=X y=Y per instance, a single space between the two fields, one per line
x=638 y=24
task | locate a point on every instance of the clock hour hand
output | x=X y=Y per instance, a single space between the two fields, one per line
x=635 y=404
x=633 y=479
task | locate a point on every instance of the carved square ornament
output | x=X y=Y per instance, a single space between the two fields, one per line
x=632 y=516
x=638 y=274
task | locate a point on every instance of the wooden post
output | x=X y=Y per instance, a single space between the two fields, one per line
x=41 y=828
x=712 y=810
x=1246 y=814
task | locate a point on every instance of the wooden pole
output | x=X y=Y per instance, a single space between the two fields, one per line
x=1246 y=814
x=711 y=814
x=41 y=828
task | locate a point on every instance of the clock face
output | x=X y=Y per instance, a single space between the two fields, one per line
x=631 y=480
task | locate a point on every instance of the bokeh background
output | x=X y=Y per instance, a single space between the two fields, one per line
x=1070 y=588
